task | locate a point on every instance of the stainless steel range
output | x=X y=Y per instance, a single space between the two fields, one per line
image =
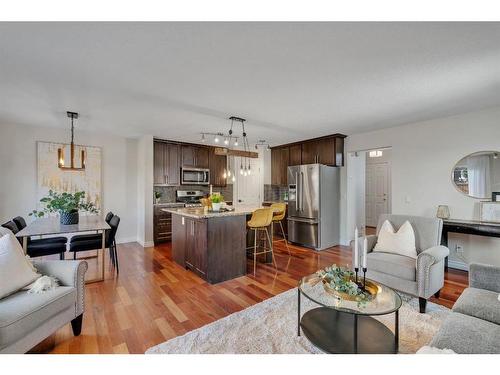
x=190 y=198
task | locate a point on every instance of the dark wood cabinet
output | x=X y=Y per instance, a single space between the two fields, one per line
x=279 y=165
x=327 y=150
x=309 y=152
x=166 y=167
x=196 y=245
x=339 y=152
x=218 y=166
x=194 y=156
x=295 y=155
x=162 y=226
x=214 y=248
x=202 y=157
x=159 y=149
x=188 y=156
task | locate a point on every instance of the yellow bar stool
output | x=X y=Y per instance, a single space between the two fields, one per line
x=279 y=210
x=260 y=220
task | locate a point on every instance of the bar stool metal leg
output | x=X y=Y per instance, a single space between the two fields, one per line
x=271 y=248
x=255 y=251
x=284 y=238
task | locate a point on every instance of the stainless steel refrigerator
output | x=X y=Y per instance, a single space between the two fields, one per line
x=314 y=205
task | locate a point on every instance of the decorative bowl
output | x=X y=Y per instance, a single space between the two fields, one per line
x=370 y=288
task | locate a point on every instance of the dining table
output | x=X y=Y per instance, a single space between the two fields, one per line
x=47 y=226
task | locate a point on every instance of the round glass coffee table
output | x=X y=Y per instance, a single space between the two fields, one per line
x=343 y=326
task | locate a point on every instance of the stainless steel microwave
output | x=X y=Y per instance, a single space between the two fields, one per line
x=195 y=176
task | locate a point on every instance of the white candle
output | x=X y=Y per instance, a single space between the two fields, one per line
x=365 y=251
x=356 y=256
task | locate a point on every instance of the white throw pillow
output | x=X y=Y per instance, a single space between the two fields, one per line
x=401 y=242
x=16 y=271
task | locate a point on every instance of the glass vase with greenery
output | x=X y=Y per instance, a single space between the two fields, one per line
x=66 y=204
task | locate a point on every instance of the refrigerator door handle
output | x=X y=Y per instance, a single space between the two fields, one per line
x=301 y=191
x=302 y=220
x=297 y=192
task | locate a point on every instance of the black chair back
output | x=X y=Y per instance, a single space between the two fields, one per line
x=108 y=217
x=20 y=222
x=113 y=223
x=12 y=226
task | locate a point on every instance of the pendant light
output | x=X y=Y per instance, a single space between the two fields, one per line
x=60 y=151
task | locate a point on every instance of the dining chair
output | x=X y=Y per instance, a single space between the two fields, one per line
x=88 y=242
x=260 y=220
x=39 y=247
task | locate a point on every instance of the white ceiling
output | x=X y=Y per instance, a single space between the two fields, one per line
x=290 y=80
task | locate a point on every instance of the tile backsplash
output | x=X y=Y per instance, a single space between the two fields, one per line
x=168 y=192
x=275 y=193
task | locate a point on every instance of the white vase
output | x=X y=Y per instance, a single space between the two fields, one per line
x=216 y=206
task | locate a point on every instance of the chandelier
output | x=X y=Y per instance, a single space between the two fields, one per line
x=61 y=163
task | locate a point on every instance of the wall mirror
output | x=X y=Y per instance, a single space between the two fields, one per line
x=478 y=175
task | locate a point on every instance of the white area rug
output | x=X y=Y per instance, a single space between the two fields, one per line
x=271 y=327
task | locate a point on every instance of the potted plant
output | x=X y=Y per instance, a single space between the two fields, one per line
x=158 y=195
x=216 y=200
x=66 y=204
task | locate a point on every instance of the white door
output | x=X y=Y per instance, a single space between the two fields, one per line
x=377 y=192
x=248 y=188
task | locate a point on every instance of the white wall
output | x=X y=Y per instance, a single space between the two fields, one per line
x=144 y=182
x=423 y=155
x=18 y=172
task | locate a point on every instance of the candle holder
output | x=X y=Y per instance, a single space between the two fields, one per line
x=364 y=277
x=356 y=270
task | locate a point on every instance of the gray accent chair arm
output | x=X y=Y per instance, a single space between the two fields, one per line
x=483 y=276
x=425 y=260
x=69 y=273
x=371 y=242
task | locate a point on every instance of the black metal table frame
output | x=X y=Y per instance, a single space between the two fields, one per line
x=355 y=328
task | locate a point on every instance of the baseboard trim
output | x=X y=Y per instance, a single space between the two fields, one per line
x=126 y=240
x=146 y=243
x=458 y=265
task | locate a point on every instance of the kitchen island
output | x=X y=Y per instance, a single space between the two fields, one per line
x=212 y=245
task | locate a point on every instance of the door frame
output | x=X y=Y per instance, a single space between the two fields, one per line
x=389 y=190
x=353 y=207
x=240 y=178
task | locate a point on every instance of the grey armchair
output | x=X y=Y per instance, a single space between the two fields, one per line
x=27 y=319
x=422 y=278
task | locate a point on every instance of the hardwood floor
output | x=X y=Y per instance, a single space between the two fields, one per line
x=154 y=299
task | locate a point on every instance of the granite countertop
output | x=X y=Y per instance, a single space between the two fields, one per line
x=198 y=212
x=285 y=202
x=169 y=204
